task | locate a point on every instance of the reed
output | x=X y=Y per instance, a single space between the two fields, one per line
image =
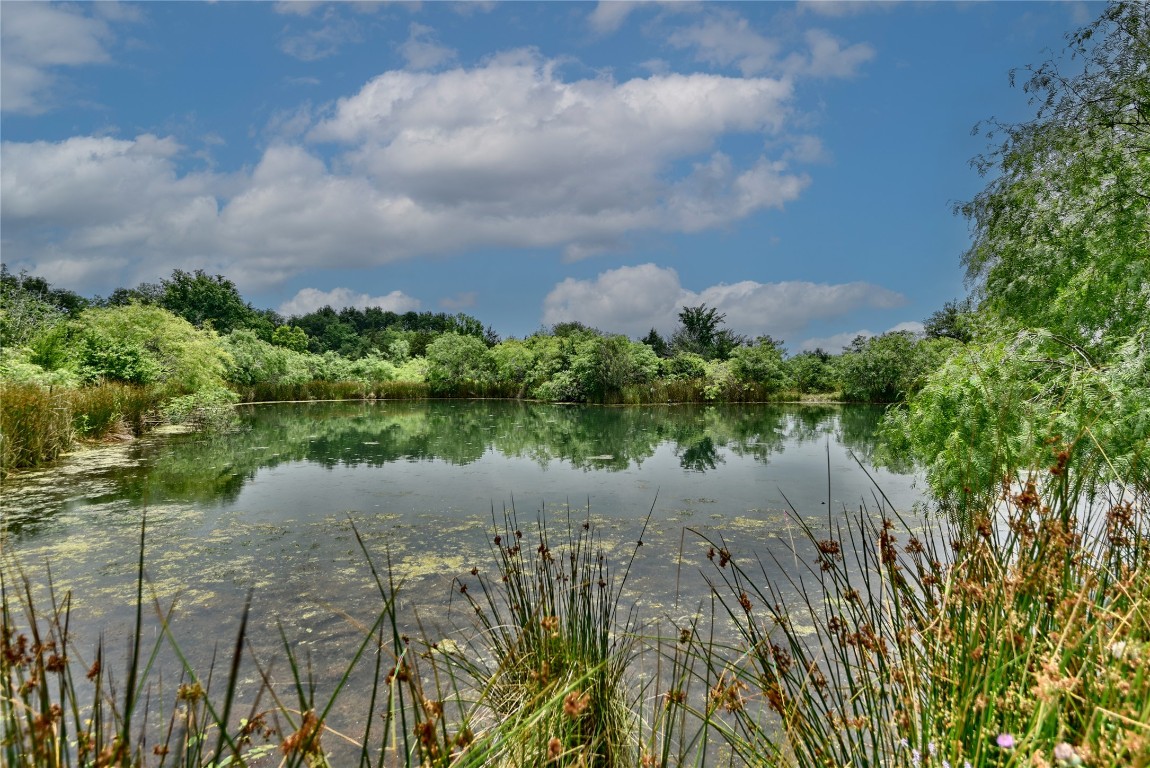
x=35 y=425
x=1017 y=637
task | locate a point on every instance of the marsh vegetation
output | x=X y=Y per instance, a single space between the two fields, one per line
x=1006 y=624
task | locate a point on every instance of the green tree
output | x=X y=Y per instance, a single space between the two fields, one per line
x=812 y=371
x=760 y=364
x=956 y=320
x=201 y=298
x=605 y=365
x=188 y=359
x=1061 y=232
x=699 y=333
x=454 y=358
x=290 y=337
x=657 y=343
x=882 y=369
x=25 y=314
x=1057 y=373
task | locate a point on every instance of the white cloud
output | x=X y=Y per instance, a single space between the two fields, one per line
x=633 y=300
x=828 y=58
x=38 y=38
x=725 y=38
x=296 y=7
x=323 y=41
x=835 y=344
x=840 y=8
x=505 y=155
x=609 y=15
x=311 y=299
x=422 y=51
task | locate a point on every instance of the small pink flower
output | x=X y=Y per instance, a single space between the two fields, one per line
x=1005 y=740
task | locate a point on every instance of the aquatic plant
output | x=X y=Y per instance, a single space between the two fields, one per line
x=1028 y=623
x=35 y=425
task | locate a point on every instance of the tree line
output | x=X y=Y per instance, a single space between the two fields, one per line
x=194 y=331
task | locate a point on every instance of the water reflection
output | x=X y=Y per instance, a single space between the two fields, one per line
x=216 y=469
x=270 y=507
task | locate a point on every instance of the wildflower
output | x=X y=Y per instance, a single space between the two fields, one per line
x=1005 y=741
x=915 y=758
x=1118 y=649
x=1065 y=754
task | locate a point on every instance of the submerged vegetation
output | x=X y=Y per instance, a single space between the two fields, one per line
x=1012 y=629
x=1019 y=638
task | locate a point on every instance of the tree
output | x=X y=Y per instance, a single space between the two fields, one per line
x=954 y=321
x=291 y=337
x=454 y=358
x=1058 y=371
x=201 y=298
x=172 y=351
x=657 y=343
x=699 y=333
x=760 y=364
x=1061 y=233
x=888 y=368
x=811 y=371
x=144 y=293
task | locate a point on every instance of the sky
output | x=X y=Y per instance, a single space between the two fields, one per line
x=793 y=165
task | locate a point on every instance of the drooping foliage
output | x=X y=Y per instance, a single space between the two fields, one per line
x=1061 y=233
x=1056 y=374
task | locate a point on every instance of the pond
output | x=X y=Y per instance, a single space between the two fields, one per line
x=270 y=507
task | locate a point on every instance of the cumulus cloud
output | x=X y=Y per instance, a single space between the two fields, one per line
x=459 y=301
x=36 y=39
x=325 y=40
x=828 y=58
x=422 y=51
x=609 y=15
x=724 y=38
x=633 y=300
x=840 y=8
x=508 y=154
x=311 y=299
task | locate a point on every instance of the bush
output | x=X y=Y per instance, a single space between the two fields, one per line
x=761 y=364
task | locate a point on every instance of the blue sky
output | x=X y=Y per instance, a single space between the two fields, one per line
x=793 y=165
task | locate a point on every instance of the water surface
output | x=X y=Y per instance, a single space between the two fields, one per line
x=270 y=507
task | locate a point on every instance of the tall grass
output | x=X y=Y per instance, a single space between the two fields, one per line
x=550 y=622
x=38 y=423
x=1019 y=637
x=35 y=425
x=332 y=390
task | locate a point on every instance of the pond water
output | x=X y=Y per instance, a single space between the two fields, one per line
x=270 y=507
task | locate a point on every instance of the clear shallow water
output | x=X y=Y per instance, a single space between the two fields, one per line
x=269 y=507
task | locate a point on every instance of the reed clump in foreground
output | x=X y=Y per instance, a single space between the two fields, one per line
x=1020 y=636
